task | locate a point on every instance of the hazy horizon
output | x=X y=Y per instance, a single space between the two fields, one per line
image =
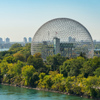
x=22 y=18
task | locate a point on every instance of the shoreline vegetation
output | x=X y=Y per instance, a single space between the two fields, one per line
x=78 y=76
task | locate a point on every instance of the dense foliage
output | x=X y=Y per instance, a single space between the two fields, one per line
x=80 y=76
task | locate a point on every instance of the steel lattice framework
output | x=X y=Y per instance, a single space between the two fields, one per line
x=72 y=36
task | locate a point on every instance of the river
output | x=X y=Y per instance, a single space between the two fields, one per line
x=17 y=93
x=5 y=49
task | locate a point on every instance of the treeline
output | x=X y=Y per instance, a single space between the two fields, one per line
x=79 y=76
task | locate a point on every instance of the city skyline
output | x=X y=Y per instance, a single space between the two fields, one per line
x=29 y=39
x=22 y=18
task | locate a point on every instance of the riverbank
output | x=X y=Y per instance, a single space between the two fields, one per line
x=39 y=89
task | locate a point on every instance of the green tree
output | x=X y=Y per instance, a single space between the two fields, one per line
x=72 y=67
x=18 y=67
x=9 y=59
x=91 y=86
x=30 y=60
x=90 y=66
x=82 y=54
x=16 y=45
x=26 y=51
x=55 y=61
x=97 y=72
x=3 y=68
x=19 y=56
x=34 y=79
x=37 y=55
x=5 y=54
x=36 y=61
x=27 y=72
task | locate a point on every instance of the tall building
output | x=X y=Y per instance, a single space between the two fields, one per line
x=1 y=40
x=94 y=41
x=25 y=40
x=69 y=39
x=29 y=39
x=73 y=40
x=7 y=40
x=56 y=45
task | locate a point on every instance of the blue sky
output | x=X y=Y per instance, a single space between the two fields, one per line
x=22 y=18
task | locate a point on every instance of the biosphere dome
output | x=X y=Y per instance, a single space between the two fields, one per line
x=62 y=35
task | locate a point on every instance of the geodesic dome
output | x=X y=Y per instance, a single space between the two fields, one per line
x=62 y=35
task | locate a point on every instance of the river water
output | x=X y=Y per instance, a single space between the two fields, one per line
x=5 y=49
x=17 y=93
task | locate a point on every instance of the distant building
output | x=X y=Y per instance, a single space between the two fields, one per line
x=70 y=39
x=1 y=41
x=7 y=40
x=56 y=45
x=25 y=40
x=73 y=40
x=29 y=39
x=94 y=41
x=82 y=41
